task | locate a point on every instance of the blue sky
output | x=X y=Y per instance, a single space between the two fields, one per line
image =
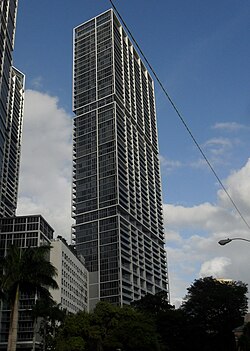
x=200 y=50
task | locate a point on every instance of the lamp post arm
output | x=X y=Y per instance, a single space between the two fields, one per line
x=241 y=239
x=228 y=240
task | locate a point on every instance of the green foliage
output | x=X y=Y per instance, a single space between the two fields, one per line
x=48 y=308
x=213 y=309
x=244 y=340
x=108 y=328
x=52 y=316
x=29 y=270
x=169 y=322
x=153 y=304
x=130 y=330
x=172 y=327
x=75 y=327
x=74 y=343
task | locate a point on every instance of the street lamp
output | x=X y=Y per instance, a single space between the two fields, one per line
x=226 y=241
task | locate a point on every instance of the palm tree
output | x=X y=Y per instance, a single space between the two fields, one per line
x=25 y=270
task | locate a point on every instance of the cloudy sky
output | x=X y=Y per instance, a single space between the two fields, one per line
x=200 y=51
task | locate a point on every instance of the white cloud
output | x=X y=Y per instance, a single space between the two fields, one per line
x=217 y=150
x=169 y=165
x=37 y=82
x=218 y=141
x=45 y=177
x=199 y=164
x=193 y=249
x=215 y=267
x=205 y=216
x=218 y=146
x=173 y=236
x=238 y=186
x=230 y=126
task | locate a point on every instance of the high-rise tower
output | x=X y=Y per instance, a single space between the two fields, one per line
x=11 y=110
x=11 y=161
x=117 y=199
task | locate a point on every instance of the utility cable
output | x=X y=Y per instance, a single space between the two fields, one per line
x=180 y=116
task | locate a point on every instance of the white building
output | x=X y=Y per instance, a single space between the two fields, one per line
x=72 y=277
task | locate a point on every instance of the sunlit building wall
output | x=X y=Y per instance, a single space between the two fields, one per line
x=72 y=277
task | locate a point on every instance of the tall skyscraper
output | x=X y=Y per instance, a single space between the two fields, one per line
x=11 y=110
x=11 y=160
x=117 y=199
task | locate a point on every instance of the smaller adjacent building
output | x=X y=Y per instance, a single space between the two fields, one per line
x=72 y=277
x=22 y=231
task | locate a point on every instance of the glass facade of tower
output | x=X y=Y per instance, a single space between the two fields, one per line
x=8 y=10
x=117 y=199
x=11 y=162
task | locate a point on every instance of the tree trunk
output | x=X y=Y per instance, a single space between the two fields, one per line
x=12 y=339
x=35 y=324
x=44 y=337
x=34 y=334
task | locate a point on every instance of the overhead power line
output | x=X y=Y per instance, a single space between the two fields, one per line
x=180 y=116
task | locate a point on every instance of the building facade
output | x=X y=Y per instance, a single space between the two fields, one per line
x=72 y=277
x=8 y=9
x=11 y=110
x=22 y=231
x=117 y=198
x=11 y=161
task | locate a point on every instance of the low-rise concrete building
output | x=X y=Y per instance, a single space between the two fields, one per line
x=72 y=277
x=23 y=232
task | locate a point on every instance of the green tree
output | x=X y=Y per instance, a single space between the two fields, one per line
x=108 y=328
x=124 y=328
x=153 y=304
x=25 y=270
x=52 y=316
x=170 y=323
x=133 y=330
x=172 y=328
x=244 y=339
x=73 y=343
x=213 y=309
x=73 y=333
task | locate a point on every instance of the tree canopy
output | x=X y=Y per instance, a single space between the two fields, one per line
x=204 y=322
x=244 y=339
x=213 y=308
x=108 y=328
x=169 y=322
x=153 y=304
